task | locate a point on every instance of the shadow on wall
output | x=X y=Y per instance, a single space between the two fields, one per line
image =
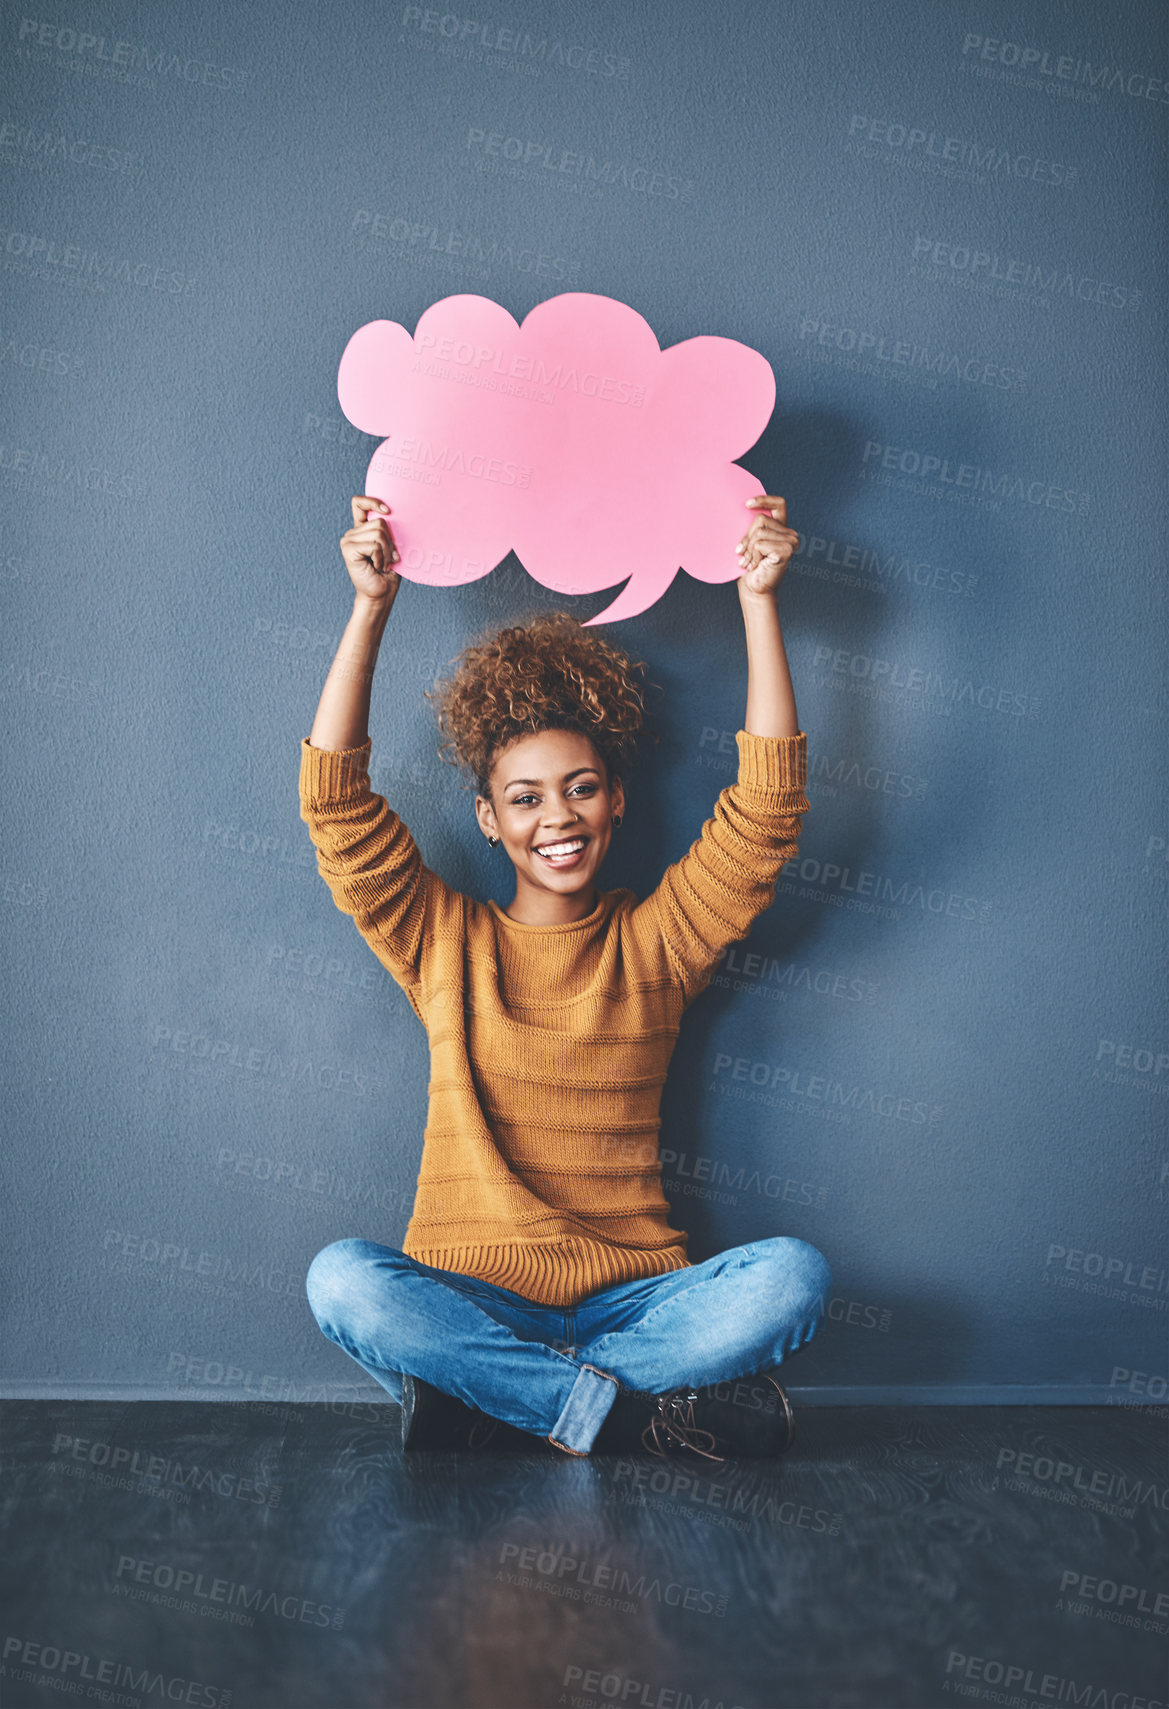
x=820 y=455
x=870 y=1332
x=806 y=456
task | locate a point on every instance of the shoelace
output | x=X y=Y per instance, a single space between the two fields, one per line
x=673 y=1421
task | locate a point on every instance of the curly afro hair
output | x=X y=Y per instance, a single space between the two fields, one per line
x=548 y=673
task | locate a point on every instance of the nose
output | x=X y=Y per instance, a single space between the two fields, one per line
x=566 y=814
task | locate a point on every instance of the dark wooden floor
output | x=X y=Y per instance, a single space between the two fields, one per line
x=253 y=1557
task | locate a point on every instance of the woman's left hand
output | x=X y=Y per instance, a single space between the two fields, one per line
x=767 y=547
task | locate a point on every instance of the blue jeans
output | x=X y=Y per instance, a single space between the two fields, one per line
x=550 y=1370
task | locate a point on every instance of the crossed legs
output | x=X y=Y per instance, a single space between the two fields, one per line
x=742 y=1311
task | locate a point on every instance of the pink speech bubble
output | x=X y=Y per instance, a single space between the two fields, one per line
x=573 y=439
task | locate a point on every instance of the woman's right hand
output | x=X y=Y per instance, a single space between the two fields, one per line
x=369 y=551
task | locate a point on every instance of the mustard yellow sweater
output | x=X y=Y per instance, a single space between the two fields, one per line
x=549 y=1044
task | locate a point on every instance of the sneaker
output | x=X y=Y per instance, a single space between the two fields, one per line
x=433 y=1421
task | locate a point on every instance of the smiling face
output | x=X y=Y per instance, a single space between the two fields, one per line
x=552 y=806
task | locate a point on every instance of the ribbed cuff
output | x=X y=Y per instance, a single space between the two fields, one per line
x=333 y=775
x=773 y=762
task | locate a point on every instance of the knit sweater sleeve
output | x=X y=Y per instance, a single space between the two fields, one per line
x=369 y=860
x=725 y=880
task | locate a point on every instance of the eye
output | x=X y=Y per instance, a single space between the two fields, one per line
x=576 y=789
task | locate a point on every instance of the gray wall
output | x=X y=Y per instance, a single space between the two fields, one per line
x=941 y=1056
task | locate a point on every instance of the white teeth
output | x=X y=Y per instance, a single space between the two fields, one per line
x=551 y=850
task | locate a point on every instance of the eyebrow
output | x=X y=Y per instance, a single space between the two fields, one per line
x=538 y=781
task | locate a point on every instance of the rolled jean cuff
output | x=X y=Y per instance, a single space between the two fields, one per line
x=585 y=1410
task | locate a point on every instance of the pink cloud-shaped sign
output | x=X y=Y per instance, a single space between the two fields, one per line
x=573 y=439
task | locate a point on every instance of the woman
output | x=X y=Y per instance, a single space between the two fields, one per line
x=540 y=1290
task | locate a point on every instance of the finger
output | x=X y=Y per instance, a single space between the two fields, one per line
x=387 y=551
x=377 y=529
x=770 y=554
x=769 y=501
x=775 y=539
x=767 y=520
x=780 y=539
x=786 y=545
x=363 y=504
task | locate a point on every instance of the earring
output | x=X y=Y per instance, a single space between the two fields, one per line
x=492 y=842
x=616 y=821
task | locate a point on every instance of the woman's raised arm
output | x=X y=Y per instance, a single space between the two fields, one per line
x=765 y=552
x=342 y=719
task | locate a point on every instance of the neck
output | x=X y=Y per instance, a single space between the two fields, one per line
x=533 y=907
